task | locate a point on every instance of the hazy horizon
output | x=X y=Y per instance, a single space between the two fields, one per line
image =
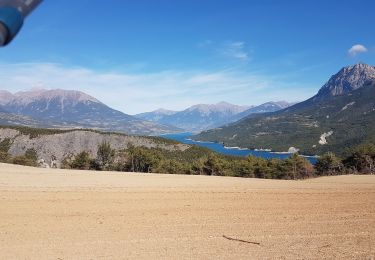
x=142 y=56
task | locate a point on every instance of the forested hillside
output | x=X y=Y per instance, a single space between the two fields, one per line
x=337 y=121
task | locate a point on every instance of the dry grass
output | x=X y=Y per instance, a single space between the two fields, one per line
x=57 y=214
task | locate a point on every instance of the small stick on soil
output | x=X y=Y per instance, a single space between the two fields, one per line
x=240 y=240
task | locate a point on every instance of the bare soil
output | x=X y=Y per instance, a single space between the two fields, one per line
x=61 y=214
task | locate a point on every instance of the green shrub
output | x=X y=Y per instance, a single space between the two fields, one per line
x=23 y=160
x=5 y=145
x=82 y=161
x=329 y=164
x=5 y=157
x=105 y=156
x=29 y=159
x=362 y=159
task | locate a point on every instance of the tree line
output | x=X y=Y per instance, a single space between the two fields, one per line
x=201 y=161
x=30 y=158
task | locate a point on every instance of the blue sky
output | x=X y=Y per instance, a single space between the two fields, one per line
x=141 y=55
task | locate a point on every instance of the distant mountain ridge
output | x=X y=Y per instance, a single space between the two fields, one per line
x=263 y=108
x=340 y=116
x=157 y=115
x=26 y=97
x=2 y=109
x=5 y=97
x=206 y=116
x=223 y=107
x=72 y=108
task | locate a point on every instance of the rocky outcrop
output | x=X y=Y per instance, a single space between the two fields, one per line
x=8 y=133
x=346 y=80
x=53 y=148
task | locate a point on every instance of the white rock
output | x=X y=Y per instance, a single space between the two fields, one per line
x=323 y=138
x=293 y=150
x=347 y=105
x=42 y=164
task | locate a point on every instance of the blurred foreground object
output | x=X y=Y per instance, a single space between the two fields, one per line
x=12 y=15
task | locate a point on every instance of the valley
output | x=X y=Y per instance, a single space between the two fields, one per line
x=233 y=151
x=337 y=119
x=187 y=130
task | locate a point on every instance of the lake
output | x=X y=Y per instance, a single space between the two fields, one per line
x=235 y=151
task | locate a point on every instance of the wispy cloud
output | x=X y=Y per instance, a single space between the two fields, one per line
x=134 y=93
x=205 y=43
x=357 y=49
x=235 y=50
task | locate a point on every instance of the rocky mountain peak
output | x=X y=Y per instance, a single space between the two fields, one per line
x=347 y=79
x=163 y=111
x=224 y=104
x=217 y=108
x=58 y=107
x=282 y=104
x=72 y=96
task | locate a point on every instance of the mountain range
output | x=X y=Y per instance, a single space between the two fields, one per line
x=339 y=117
x=71 y=109
x=59 y=108
x=206 y=116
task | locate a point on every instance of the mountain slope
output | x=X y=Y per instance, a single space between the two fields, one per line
x=7 y=118
x=61 y=105
x=5 y=97
x=346 y=80
x=263 y=108
x=156 y=116
x=206 y=116
x=203 y=116
x=330 y=121
x=75 y=108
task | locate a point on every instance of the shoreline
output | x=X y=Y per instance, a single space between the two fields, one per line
x=186 y=136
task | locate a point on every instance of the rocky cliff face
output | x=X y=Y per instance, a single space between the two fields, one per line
x=346 y=80
x=64 y=144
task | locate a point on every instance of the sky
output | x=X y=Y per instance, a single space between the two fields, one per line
x=141 y=55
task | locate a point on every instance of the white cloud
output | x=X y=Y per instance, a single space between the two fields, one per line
x=235 y=50
x=132 y=93
x=357 y=49
x=135 y=93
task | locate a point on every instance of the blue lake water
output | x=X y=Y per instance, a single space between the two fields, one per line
x=185 y=138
